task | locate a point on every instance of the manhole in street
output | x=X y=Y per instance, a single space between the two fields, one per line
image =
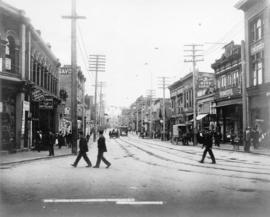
x=246 y=190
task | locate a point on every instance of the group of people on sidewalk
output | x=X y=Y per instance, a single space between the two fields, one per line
x=84 y=149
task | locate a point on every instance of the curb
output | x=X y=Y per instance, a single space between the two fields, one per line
x=224 y=149
x=34 y=159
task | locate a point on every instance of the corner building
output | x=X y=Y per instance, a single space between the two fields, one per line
x=28 y=81
x=257 y=54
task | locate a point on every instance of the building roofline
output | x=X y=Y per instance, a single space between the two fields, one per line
x=240 y=4
x=21 y=14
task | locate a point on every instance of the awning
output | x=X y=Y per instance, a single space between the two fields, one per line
x=201 y=116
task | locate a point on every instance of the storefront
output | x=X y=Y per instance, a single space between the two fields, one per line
x=8 y=116
x=259 y=108
x=229 y=118
x=44 y=112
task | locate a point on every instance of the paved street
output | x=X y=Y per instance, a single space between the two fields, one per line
x=147 y=178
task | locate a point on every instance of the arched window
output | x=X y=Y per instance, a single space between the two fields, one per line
x=259 y=29
x=10 y=55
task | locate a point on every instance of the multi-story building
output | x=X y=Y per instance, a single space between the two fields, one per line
x=181 y=93
x=65 y=84
x=157 y=117
x=29 y=81
x=228 y=95
x=257 y=56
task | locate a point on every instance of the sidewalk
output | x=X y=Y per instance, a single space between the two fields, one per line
x=27 y=156
x=229 y=147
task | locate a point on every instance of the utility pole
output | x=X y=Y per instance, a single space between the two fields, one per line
x=100 y=85
x=74 y=76
x=194 y=59
x=150 y=94
x=137 y=117
x=96 y=64
x=244 y=95
x=163 y=86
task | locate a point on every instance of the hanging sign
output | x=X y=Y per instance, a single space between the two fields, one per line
x=37 y=95
x=47 y=103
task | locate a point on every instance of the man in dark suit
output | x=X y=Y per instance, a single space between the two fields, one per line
x=101 y=149
x=207 y=143
x=82 y=153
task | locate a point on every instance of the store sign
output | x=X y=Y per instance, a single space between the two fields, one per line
x=225 y=93
x=26 y=106
x=8 y=64
x=230 y=92
x=256 y=48
x=46 y=104
x=1 y=106
x=37 y=95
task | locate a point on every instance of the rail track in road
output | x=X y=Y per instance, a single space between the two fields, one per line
x=128 y=145
x=191 y=153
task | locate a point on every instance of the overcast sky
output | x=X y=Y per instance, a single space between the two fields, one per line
x=142 y=39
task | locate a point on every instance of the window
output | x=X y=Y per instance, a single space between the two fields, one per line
x=256 y=29
x=10 y=55
x=257 y=69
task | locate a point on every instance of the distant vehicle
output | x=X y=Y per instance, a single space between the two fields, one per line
x=114 y=133
x=123 y=130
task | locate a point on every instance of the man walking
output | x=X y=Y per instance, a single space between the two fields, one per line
x=101 y=149
x=207 y=143
x=82 y=153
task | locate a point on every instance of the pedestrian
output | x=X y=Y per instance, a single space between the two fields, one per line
x=101 y=149
x=248 y=140
x=82 y=153
x=61 y=139
x=217 y=136
x=38 y=140
x=52 y=140
x=256 y=136
x=207 y=144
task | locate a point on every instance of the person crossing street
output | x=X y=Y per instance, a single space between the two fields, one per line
x=82 y=153
x=101 y=149
x=207 y=144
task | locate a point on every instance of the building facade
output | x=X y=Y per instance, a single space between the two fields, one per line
x=29 y=81
x=228 y=95
x=65 y=84
x=181 y=93
x=257 y=56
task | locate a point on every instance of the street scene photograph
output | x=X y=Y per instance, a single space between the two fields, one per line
x=135 y=108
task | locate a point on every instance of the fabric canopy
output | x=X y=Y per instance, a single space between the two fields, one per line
x=201 y=116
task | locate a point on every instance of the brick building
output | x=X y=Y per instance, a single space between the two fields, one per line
x=65 y=84
x=29 y=81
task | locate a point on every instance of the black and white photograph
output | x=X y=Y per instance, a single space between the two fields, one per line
x=135 y=108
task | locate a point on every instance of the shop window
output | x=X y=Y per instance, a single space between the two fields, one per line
x=10 y=55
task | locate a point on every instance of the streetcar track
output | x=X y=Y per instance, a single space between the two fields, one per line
x=191 y=164
x=184 y=170
x=219 y=159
